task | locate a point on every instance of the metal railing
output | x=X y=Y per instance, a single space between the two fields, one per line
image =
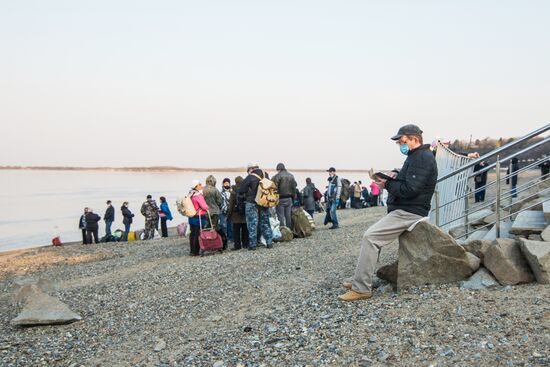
x=454 y=191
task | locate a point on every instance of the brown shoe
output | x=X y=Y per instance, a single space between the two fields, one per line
x=352 y=295
x=346 y=285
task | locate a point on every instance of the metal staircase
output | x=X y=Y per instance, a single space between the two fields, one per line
x=504 y=212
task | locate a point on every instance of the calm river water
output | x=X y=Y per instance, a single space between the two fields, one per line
x=37 y=205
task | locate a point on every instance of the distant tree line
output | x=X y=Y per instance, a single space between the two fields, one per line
x=483 y=146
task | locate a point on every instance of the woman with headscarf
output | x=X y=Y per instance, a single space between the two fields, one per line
x=199 y=220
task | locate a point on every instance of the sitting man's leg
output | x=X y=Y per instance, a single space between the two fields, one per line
x=380 y=234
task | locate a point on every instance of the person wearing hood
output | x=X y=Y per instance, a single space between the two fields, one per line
x=165 y=215
x=127 y=219
x=410 y=194
x=150 y=211
x=199 y=220
x=214 y=200
x=236 y=216
x=308 y=197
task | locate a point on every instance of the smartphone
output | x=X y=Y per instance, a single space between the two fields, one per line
x=383 y=176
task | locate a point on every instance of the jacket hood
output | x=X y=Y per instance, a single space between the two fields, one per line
x=211 y=181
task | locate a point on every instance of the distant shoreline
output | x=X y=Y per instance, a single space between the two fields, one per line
x=156 y=169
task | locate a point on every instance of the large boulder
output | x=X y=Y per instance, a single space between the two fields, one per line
x=505 y=260
x=427 y=255
x=478 y=247
x=43 y=309
x=537 y=254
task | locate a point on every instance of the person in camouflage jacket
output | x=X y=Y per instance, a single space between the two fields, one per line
x=150 y=211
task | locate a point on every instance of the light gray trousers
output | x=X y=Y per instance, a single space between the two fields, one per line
x=380 y=234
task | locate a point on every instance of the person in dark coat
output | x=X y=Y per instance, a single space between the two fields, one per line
x=127 y=220
x=480 y=182
x=410 y=193
x=308 y=197
x=544 y=169
x=236 y=217
x=82 y=226
x=286 y=185
x=513 y=176
x=109 y=218
x=92 y=226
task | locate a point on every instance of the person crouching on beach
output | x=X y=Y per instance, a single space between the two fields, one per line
x=127 y=220
x=199 y=220
x=410 y=195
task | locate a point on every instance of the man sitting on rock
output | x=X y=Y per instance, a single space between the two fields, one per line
x=409 y=196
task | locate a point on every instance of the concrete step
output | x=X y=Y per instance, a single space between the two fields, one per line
x=477 y=235
x=546 y=210
x=529 y=222
x=505 y=227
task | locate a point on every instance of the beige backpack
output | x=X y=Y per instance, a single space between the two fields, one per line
x=267 y=195
x=186 y=207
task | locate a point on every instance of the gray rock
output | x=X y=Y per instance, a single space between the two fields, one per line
x=43 y=309
x=537 y=254
x=478 y=247
x=545 y=235
x=505 y=260
x=427 y=255
x=482 y=279
x=160 y=345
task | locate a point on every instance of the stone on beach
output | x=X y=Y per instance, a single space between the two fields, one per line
x=478 y=247
x=427 y=255
x=43 y=309
x=505 y=260
x=482 y=279
x=537 y=254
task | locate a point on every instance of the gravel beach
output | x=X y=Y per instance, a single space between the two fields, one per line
x=150 y=304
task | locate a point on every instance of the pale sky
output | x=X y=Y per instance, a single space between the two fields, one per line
x=221 y=83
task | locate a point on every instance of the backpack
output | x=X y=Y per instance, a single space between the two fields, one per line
x=267 y=195
x=286 y=234
x=317 y=194
x=301 y=227
x=186 y=207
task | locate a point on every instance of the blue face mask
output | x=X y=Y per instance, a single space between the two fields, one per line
x=404 y=148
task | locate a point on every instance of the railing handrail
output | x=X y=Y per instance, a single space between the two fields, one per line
x=524 y=150
x=497 y=151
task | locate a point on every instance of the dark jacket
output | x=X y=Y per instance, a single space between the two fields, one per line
x=82 y=222
x=127 y=215
x=91 y=221
x=232 y=213
x=413 y=188
x=286 y=184
x=512 y=169
x=109 y=214
x=481 y=179
x=250 y=186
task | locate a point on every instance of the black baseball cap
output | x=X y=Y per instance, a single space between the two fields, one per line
x=331 y=169
x=409 y=129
